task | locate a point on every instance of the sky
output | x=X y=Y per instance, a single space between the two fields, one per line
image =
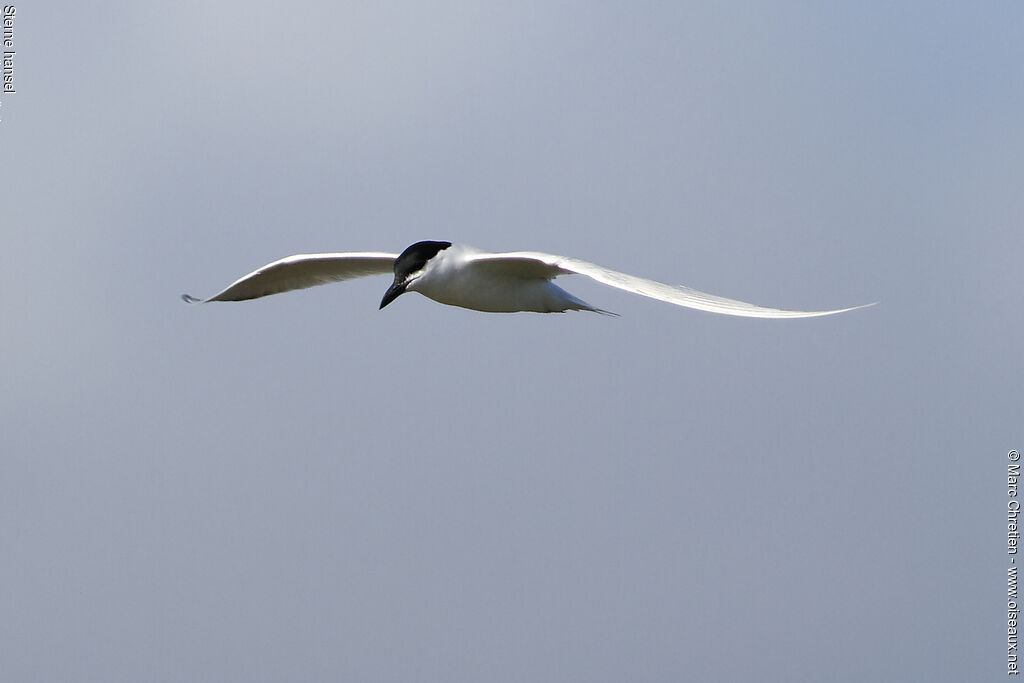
x=306 y=488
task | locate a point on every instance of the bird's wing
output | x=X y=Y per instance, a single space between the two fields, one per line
x=302 y=271
x=529 y=264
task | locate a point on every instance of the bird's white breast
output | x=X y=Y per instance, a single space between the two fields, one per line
x=451 y=278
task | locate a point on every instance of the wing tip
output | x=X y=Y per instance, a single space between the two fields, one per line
x=779 y=313
x=819 y=314
x=854 y=308
x=189 y=299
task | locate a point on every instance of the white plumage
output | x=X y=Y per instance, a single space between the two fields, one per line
x=463 y=276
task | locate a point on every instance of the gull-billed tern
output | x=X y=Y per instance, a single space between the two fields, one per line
x=458 y=275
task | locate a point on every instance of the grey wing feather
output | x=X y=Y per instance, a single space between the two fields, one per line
x=536 y=264
x=301 y=271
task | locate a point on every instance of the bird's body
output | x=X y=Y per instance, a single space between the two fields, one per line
x=462 y=276
x=458 y=278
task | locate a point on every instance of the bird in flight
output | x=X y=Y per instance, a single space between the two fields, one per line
x=459 y=275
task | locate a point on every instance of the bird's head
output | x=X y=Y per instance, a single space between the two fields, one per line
x=410 y=265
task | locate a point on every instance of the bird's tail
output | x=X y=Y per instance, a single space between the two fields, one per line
x=592 y=309
x=573 y=303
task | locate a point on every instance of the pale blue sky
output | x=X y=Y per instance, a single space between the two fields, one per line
x=307 y=488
